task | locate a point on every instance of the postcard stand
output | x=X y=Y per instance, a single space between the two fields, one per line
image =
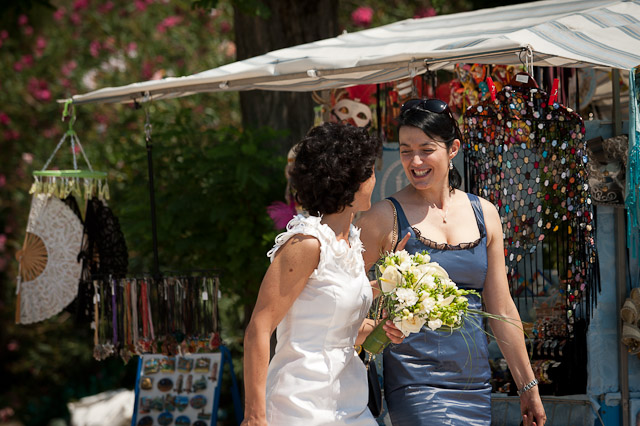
x=182 y=390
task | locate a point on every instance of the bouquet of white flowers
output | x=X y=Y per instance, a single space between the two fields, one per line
x=416 y=292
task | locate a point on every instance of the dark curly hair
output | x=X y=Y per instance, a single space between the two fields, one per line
x=439 y=127
x=332 y=161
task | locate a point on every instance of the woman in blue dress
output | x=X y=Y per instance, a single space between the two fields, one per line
x=435 y=378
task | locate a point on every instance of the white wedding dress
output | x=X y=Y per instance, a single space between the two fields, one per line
x=315 y=376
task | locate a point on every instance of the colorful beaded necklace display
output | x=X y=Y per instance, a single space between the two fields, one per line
x=528 y=157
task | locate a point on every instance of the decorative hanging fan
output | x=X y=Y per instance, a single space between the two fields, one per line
x=49 y=267
x=76 y=182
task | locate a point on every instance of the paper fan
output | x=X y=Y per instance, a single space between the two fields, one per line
x=49 y=266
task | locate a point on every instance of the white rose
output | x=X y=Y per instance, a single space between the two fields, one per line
x=421 y=258
x=407 y=296
x=426 y=278
x=427 y=304
x=390 y=279
x=409 y=325
x=435 y=324
x=403 y=256
x=448 y=283
x=438 y=270
x=405 y=266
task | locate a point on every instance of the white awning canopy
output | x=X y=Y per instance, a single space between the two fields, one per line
x=564 y=33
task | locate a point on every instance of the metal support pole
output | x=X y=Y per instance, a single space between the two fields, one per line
x=152 y=195
x=621 y=263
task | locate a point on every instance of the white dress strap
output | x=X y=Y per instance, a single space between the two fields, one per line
x=349 y=255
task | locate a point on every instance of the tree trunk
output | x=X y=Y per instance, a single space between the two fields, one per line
x=290 y=23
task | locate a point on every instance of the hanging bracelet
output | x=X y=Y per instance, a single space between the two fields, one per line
x=528 y=386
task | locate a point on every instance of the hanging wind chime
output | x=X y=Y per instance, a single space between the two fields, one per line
x=49 y=268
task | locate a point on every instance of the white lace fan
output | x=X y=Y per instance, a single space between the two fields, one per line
x=49 y=266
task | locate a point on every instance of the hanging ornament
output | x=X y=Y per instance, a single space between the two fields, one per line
x=527 y=155
x=49 y=268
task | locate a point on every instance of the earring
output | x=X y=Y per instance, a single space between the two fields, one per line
x=450 y=164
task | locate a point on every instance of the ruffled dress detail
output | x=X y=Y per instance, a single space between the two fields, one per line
x=315 y=376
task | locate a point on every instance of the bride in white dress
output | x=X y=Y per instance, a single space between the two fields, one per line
x=317 y=294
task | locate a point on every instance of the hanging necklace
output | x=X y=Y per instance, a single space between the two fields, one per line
x=444 y=217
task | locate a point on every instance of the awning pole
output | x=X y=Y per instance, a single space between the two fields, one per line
x=621 y=263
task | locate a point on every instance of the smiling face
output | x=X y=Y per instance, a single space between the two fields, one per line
x=425 y=160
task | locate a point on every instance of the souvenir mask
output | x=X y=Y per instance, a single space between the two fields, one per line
x=348 y=111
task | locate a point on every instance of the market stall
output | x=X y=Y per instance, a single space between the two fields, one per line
x=552 y=34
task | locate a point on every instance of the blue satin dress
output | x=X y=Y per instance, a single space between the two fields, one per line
x=439 y=378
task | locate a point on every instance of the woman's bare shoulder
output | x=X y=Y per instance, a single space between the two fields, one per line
x=378 y=215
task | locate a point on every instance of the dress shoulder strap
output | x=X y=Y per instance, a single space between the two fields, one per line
x=477 y=211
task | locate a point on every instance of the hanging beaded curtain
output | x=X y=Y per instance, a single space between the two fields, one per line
x=528 y=158
x=632 y=190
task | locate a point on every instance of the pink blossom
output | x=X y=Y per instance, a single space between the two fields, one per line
x=65 y=82
x=11 y=135
x=106 y=8
x=41 y=44
x=75 y=18
x=39 y=89
x=3 y=237
x=27 y=61
x=28 y=30
x=101 y=118
x=51 y=132
x=94 y=48
x=141 y=5
x=425 y=12
x=13 y=346
x=147 y=70
x=18 y=66
x=168 y=22
x=67 y=68
x=59 y=14
x=3 y=182
x=80 y=4
x=225 y=27
x=23 y=20
x=4 y=34
x=4 y=118
x=27 y=157
x=362 y=16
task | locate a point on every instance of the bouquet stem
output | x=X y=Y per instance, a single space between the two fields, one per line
x=377 y=340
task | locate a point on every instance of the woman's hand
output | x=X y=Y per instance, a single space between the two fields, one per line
x=532 y=409
x=403 y=242
x=392 y=332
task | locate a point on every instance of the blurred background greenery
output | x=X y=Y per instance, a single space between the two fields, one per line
x=219 y=159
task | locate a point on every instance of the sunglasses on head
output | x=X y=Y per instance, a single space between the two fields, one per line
x=428 y=105
x=431 y=105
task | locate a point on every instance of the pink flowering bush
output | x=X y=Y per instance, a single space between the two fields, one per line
x=362 y=16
